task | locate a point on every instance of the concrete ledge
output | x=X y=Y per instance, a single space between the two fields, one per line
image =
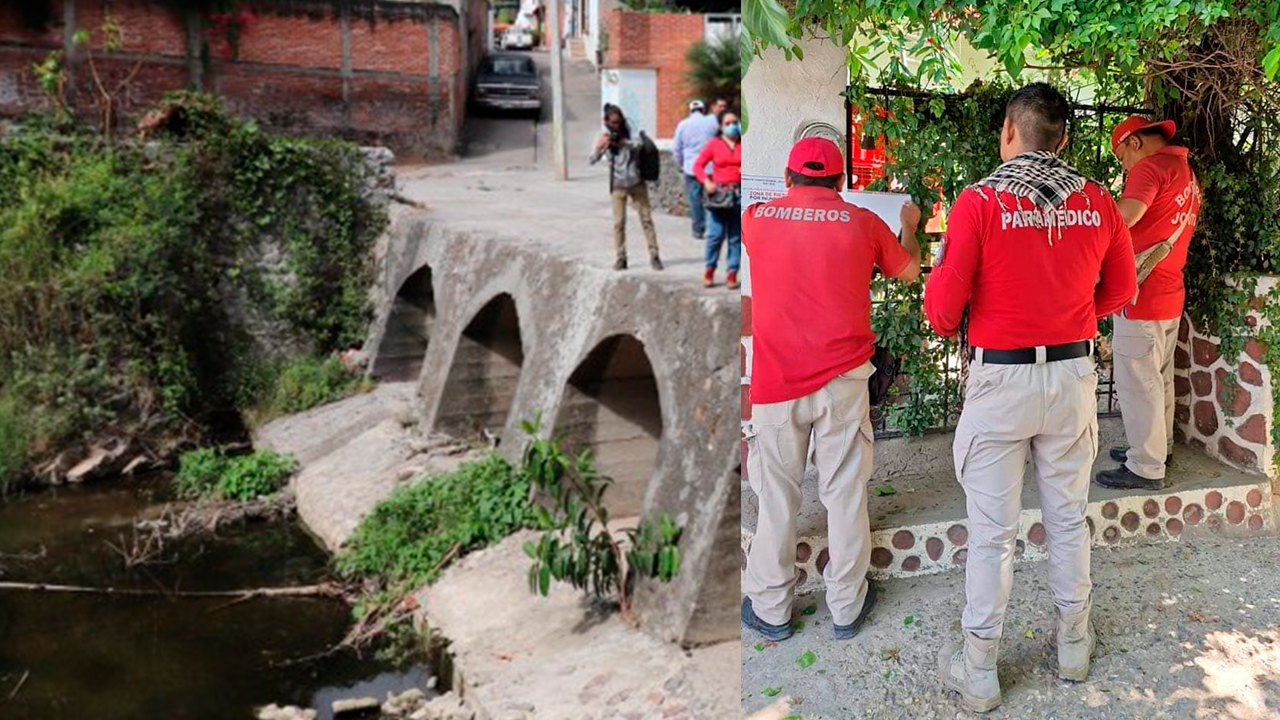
x=519 y=656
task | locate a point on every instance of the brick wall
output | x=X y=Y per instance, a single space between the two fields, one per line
x=402 y=84
x=660 y=41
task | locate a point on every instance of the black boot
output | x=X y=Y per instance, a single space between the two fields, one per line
x=620 y=263
x=654 y=262
x=1124 y=478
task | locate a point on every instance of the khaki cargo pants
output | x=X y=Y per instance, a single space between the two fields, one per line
x=838 y=416
x=639 y=194
x=1046 y=412
x=1142 y=351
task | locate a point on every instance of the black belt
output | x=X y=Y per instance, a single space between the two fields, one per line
x=1029 y=356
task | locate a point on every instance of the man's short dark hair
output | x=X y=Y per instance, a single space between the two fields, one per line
x=826 y=181
x=1040 y=113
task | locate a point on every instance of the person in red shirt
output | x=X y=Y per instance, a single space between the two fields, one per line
x=723 y=200
x=1160 y=202
x=812 y=256
x=1035 y=253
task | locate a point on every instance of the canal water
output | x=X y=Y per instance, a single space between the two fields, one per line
x=91 y=657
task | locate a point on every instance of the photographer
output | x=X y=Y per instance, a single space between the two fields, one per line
x=625 y=182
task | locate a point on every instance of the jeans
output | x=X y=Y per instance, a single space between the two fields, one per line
x=724 y=225
x=697 y=214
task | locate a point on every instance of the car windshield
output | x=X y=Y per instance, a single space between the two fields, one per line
x=510 y=66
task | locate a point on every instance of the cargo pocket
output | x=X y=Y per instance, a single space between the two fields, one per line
x=1133 y=346
x=749 y=435
x=960 y=450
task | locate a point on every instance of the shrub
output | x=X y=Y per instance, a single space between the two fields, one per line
x=209 y=473
x=256 y=475
x=199 y=472
x=410 y=536
x=276 y=389
x=138 y=277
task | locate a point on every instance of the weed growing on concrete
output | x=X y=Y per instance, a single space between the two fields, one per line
x=580 y=547
x=409 y=537
x=209 y=473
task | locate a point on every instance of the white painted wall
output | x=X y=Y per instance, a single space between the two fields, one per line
x=783 y=95
x=635 y=90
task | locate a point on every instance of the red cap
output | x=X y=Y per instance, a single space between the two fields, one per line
x=815 y=151
x=1134 y=123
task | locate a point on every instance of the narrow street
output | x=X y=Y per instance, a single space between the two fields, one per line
x=1186 y=630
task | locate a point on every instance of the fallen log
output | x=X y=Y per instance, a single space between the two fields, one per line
x=329 y=590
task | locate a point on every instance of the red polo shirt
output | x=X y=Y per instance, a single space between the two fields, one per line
x=1165 y=184
x=1021 y=290
x=811 y=260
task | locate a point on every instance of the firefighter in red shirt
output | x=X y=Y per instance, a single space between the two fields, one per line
x=1036 y=253
x=812 y=255
x=1160 y=202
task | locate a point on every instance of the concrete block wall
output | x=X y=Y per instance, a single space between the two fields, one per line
x=583 y=333
x=660 y=41
x=1230 y=419
x=393 y=73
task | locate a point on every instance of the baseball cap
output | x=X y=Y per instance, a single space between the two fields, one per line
x=1134 y=123
x=815 y=157
x=696 y=105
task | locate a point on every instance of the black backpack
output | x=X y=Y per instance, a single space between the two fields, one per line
x=650 y=159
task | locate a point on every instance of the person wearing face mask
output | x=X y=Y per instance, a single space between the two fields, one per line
x=1160 y=202
x=625 y=183
x=723 y=197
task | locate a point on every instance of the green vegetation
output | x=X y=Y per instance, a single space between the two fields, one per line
x=209 y=473
x=147 y=285
x=715 y=70
x=580 y=547
x=1213 y=66
x=409 y=537
x=283 y=387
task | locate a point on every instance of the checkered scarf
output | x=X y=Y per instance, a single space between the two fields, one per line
x=1039 y=176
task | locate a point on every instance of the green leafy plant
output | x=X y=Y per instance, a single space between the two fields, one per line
x=715 y=70
x=282 y=388
x=209 y=473
x=199 y=473
x=412 y=535
x=258 y=474
x=580 y=547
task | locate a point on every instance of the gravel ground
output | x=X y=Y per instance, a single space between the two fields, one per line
x=1186 y=630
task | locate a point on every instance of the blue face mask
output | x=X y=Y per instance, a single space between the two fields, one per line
x=733 y=130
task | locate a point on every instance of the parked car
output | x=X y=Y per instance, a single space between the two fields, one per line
x=517 y=38
x=508 y=82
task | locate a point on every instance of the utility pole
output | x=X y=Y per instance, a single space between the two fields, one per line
x=559 y=148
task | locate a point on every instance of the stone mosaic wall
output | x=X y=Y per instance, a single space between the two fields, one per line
x=1229 y=418
x=936 y=547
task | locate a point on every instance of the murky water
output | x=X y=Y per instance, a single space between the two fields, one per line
x=164 y=658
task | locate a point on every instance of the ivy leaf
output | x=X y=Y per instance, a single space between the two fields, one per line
x=771 y=691
x=885 y=490
x=810 y=610
x=806 y=660
x=908 y=621
x=760 y=647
